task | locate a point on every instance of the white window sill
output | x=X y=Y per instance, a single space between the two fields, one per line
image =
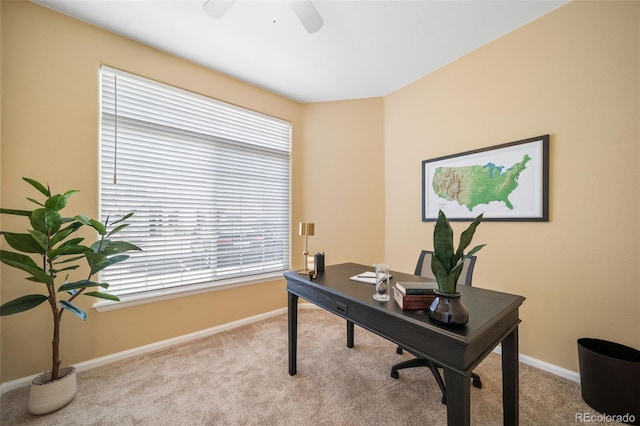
x=174 y=293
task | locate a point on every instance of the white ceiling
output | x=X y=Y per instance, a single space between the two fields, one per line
x=366 y=48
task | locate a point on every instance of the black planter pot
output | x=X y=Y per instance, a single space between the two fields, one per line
x=610 y=378
x=448 y=309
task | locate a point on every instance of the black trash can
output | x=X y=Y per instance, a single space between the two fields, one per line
x=610 y=378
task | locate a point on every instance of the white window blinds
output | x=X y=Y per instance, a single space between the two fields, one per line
x=208 y=182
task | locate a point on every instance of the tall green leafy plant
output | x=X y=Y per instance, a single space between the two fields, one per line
x=53 y=242
x=447 y=262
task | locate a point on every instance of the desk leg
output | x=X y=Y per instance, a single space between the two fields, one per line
x=510 y=379
x=458 y=390
x=293 y=332
x=349 y=334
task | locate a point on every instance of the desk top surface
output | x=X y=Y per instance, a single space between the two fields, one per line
x=486 y=307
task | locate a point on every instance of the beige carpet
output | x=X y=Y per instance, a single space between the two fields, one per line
x=240 y=377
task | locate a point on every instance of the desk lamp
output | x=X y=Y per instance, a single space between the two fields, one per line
x=307 y=229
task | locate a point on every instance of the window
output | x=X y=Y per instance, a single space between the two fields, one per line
x=208 y=182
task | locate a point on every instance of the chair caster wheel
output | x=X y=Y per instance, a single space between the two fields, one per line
x=395 y=374
x=399 y=350
x=477 y=383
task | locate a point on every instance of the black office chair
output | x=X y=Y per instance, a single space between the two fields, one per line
x=423 y=269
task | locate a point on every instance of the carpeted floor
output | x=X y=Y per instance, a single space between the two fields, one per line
x=240 y=377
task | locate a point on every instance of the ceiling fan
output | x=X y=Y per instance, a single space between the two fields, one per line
x=304 y=10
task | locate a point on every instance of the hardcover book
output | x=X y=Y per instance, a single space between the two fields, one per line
x=422 y=301
x=418 y=287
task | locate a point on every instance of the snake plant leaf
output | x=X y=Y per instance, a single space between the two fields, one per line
x=46 y=220
x=467 y=236
x=443 y=241
x=454 y=274
x=21 y=304
x=458 y=266
x=73 y=308
x=23 y=242
x=102 y=295
x=475 y=250
x=439 y=271
x=452 y=281
x=37 y=185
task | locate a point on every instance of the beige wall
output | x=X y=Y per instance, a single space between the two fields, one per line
x=356 y=170
x=575 y=74
x=342 y=180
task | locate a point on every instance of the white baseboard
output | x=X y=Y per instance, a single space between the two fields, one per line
x=545 y=366
x=97 y=362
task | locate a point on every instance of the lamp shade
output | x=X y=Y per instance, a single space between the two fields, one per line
x=307 y=228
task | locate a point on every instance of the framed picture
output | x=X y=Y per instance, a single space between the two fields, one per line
x=508 y=182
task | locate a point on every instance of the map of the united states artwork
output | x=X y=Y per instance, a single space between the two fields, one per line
x=471 y=186
x=505 y=182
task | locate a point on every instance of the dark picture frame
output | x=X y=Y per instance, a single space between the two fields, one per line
x=507 y=182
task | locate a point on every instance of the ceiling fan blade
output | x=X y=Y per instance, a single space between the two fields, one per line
x=307 y=14
x=217 y=8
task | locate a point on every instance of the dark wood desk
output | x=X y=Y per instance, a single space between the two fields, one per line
x=493 y=319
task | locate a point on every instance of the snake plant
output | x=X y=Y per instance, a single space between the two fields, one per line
x=447 y=262
x=57 y=250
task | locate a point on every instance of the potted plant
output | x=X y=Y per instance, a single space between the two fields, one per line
x=52 y=240
x=446 y=264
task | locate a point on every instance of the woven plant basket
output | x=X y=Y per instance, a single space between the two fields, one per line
x=47 y=396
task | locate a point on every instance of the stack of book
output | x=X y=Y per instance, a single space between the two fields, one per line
x=414 y=295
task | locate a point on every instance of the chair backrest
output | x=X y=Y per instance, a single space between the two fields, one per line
x=423 y=267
